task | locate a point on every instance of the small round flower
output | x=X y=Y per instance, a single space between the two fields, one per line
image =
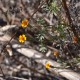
x=25 y=23
x=56 y=53
x=75 y=39
x=48 y=65
x=22 y=38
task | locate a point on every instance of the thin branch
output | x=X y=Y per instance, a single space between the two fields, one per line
x=2 y=71
x=69 y=18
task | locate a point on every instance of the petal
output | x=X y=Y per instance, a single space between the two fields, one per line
x=23 y=35
x=20 y=40
x=20 y=36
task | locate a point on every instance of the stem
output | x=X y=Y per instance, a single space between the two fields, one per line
x=69 y=18
x=2 y=71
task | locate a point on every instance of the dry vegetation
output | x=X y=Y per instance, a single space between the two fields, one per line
x=39 y=40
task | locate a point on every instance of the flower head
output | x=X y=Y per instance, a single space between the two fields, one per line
x=75 y=39
x=25 y=23
x=22 y=38
x=48 y=65
x=56 y=53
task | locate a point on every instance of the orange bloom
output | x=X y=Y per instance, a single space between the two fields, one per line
x=48 y=65
x=22 y=38
x=75 y=39
x=25 y=23
x=56 y=53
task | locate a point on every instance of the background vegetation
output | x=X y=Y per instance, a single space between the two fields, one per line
x=52 y=30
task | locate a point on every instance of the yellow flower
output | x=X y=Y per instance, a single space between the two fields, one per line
x=48 y=65
x=22 y=38
x=25 y=23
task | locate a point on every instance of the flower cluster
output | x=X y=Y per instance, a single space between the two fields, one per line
x=22 y=38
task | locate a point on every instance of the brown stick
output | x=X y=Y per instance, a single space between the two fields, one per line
x=69 y=18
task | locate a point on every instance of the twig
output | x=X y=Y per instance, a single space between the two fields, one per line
x=69 y=18
x=37 y=9
x=2 y=71
x=34 y=70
